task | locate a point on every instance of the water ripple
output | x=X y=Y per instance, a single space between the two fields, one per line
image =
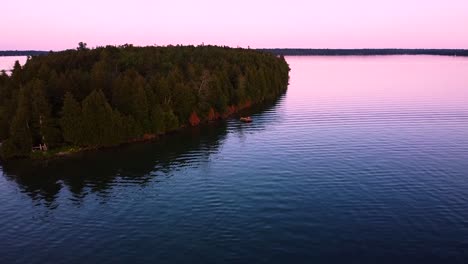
x=356 y=169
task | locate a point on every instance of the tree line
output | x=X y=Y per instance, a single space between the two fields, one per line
x=365 y=52
x=22 y=52
x=115 y=94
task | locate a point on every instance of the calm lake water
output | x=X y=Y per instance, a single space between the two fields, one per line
x=363 y=160
x=7 y=62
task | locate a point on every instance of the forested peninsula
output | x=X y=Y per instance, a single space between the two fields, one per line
x=92 y=98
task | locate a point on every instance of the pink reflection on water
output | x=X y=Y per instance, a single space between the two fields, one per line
x=7 y=62
x=384 y=81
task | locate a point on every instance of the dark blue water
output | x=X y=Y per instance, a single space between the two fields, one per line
x=364 y=160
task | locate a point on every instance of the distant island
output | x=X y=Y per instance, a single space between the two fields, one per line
x=67 y=101
x=309 y=52
x=22 y=52
x=365 y=52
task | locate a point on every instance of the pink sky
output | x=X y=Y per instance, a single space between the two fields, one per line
x=61 y=24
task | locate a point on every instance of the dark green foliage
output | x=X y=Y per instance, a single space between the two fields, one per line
x=158 y=125
x=82 y=46
x=19 y=143
x=71 y=121
x=99 y=123
x=45 y=128
x=111 y=95
x=7 y=105
x=171 y=122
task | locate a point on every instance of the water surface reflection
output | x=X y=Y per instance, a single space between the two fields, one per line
x=138 y=163
x=364 y=160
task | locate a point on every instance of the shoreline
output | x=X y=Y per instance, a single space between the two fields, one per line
x=67 y=151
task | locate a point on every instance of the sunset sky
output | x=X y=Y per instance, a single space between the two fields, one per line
x=58 y=24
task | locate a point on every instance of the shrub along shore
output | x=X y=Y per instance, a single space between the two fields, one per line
x=90 y=98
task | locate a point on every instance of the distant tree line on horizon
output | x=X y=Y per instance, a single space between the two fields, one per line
x=305 y=52
x=22 y=52
x=365 y=52
x=111 y=95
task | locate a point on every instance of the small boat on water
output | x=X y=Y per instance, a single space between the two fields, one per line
x=246 y=119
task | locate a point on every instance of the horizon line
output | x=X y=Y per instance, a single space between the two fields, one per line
x=237 y=47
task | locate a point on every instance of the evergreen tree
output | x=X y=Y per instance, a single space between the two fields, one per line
x=5 y=105
x=122 y=93
x=98 y=122
x=17 y=74
x=110 y=95
x=72 y=120
x=139 y=103
x=19 y=144
x=171 y=122
x=157 y=120
x=45 y=126
x=82 y=46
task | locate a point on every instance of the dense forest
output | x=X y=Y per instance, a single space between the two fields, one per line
x=89 y=98
x=365 y=52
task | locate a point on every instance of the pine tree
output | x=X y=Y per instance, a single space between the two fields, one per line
x=139 y=104
x=106 y=96
x=5 y=108
x=122 y=93
x=17 y=74
x=98 y=123
x=20 y=143
x=184 y=100
x=72 y=120
x=171 y=122
x=157 y=120
x=44 y=125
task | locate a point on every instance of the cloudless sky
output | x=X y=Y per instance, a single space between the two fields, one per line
x=61 y=24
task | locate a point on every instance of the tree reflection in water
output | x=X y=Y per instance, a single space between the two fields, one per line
x=97 y=172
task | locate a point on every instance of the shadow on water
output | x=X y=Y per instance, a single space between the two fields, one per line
x=138 y=163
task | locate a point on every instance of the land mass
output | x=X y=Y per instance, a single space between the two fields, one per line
x=90 y=98
x=22 y=52
x=309 y=52
x=365 y=52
